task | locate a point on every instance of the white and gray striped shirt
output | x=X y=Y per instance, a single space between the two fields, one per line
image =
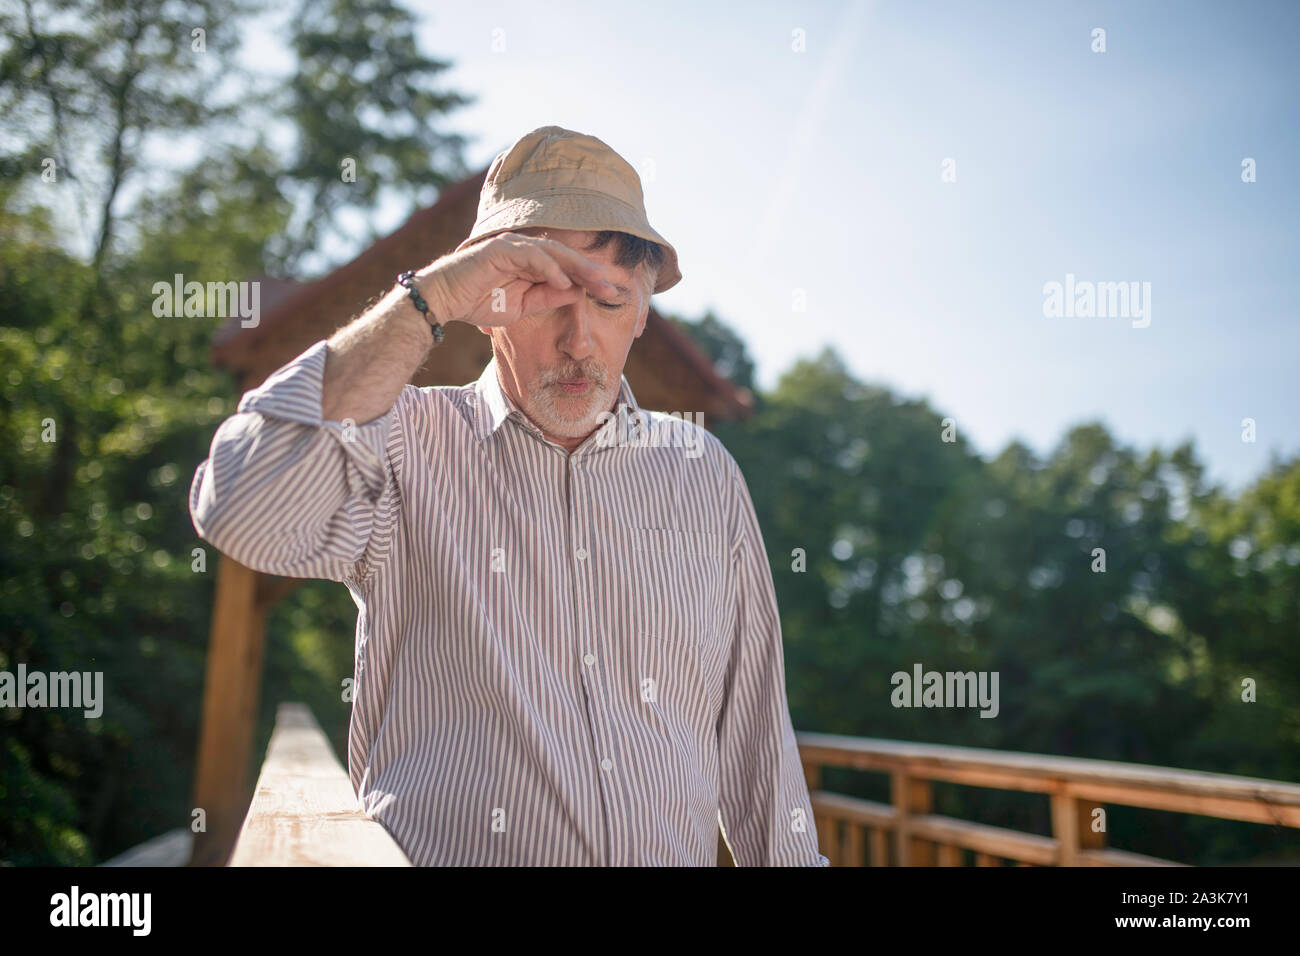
x=560 y=659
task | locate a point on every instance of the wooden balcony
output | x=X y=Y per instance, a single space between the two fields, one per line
x=305 y=813
x=905 y=831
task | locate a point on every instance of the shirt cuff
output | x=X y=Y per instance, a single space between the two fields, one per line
x=293 y=393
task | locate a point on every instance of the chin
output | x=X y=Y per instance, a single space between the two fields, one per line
x=549 y=415
x=569 y=427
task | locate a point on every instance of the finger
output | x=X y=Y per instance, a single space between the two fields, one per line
x=545 y=274
x=541 y=267
x=590 y=275
x=544 y=298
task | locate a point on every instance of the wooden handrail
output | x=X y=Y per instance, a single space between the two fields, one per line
x=1077 y=788
x=305 y=812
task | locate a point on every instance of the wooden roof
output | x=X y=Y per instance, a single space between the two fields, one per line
x=666 y=370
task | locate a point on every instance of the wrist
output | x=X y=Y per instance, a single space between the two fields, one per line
x=412 y=286
x=429 y=281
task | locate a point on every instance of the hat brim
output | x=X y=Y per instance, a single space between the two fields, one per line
x=578 y=210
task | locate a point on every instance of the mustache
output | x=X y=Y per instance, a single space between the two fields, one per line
x=592 y=370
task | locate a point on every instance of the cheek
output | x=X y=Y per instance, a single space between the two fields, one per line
x=615 y=345
x=517 y=353
x=522 y=341
x=615 y=337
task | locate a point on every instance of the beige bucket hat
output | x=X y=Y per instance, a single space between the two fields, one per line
x=566 y=180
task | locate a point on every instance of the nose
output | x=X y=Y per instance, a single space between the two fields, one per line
x=574 y=328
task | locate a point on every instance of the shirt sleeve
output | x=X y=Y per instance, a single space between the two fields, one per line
x=286 y=492
x=766 y=812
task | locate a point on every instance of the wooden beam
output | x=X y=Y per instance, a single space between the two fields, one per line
x=231 y=687
x=851 y=848
x=879 y=844
x=854 y=809
x=1221 y=795
x=982 y=838
x=305 y=812
x=1253 y=809
x=828 y=839
x=271 y=589
x=911 y=796
x=1065 y=828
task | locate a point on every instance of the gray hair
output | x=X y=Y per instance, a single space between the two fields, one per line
x=633 y=251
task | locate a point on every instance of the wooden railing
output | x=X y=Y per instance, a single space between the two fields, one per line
x=304 y=812
x=906 y=831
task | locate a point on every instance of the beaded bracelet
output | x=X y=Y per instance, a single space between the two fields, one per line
x=407 y=281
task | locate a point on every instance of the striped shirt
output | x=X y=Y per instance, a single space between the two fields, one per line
x=561 y=659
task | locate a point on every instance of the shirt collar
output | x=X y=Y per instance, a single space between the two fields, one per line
x=493 y=406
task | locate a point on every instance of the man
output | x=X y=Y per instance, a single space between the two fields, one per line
x=567 y=650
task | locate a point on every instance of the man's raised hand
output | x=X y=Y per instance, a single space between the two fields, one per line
x=500 y=280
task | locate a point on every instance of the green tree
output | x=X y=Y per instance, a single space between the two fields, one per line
x=365 y=106
x=721 y=344
x=89 y=84
x=1120 y=599
x=97 y=551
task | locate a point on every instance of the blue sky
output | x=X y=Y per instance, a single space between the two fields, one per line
x=775 y=170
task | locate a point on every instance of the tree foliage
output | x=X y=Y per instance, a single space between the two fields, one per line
x=109 y=407
x=919 y=551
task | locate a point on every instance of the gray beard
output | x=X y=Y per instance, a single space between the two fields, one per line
x=578 y=420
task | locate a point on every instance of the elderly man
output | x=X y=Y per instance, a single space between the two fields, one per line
x=567 y=649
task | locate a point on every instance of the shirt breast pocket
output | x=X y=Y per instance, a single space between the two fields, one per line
x=677 y=593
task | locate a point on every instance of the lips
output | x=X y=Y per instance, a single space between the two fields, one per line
x=575 y=387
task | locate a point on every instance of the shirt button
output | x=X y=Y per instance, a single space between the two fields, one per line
x=606 y=764
x=589 y=660
x=582 y=554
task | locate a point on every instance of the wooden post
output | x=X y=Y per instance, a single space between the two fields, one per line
x=1072 y=828
x=911 y=796
x=852 y=848
x=828 y=839
x=879 y=844
x=1065 y=828
x=231 y=688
